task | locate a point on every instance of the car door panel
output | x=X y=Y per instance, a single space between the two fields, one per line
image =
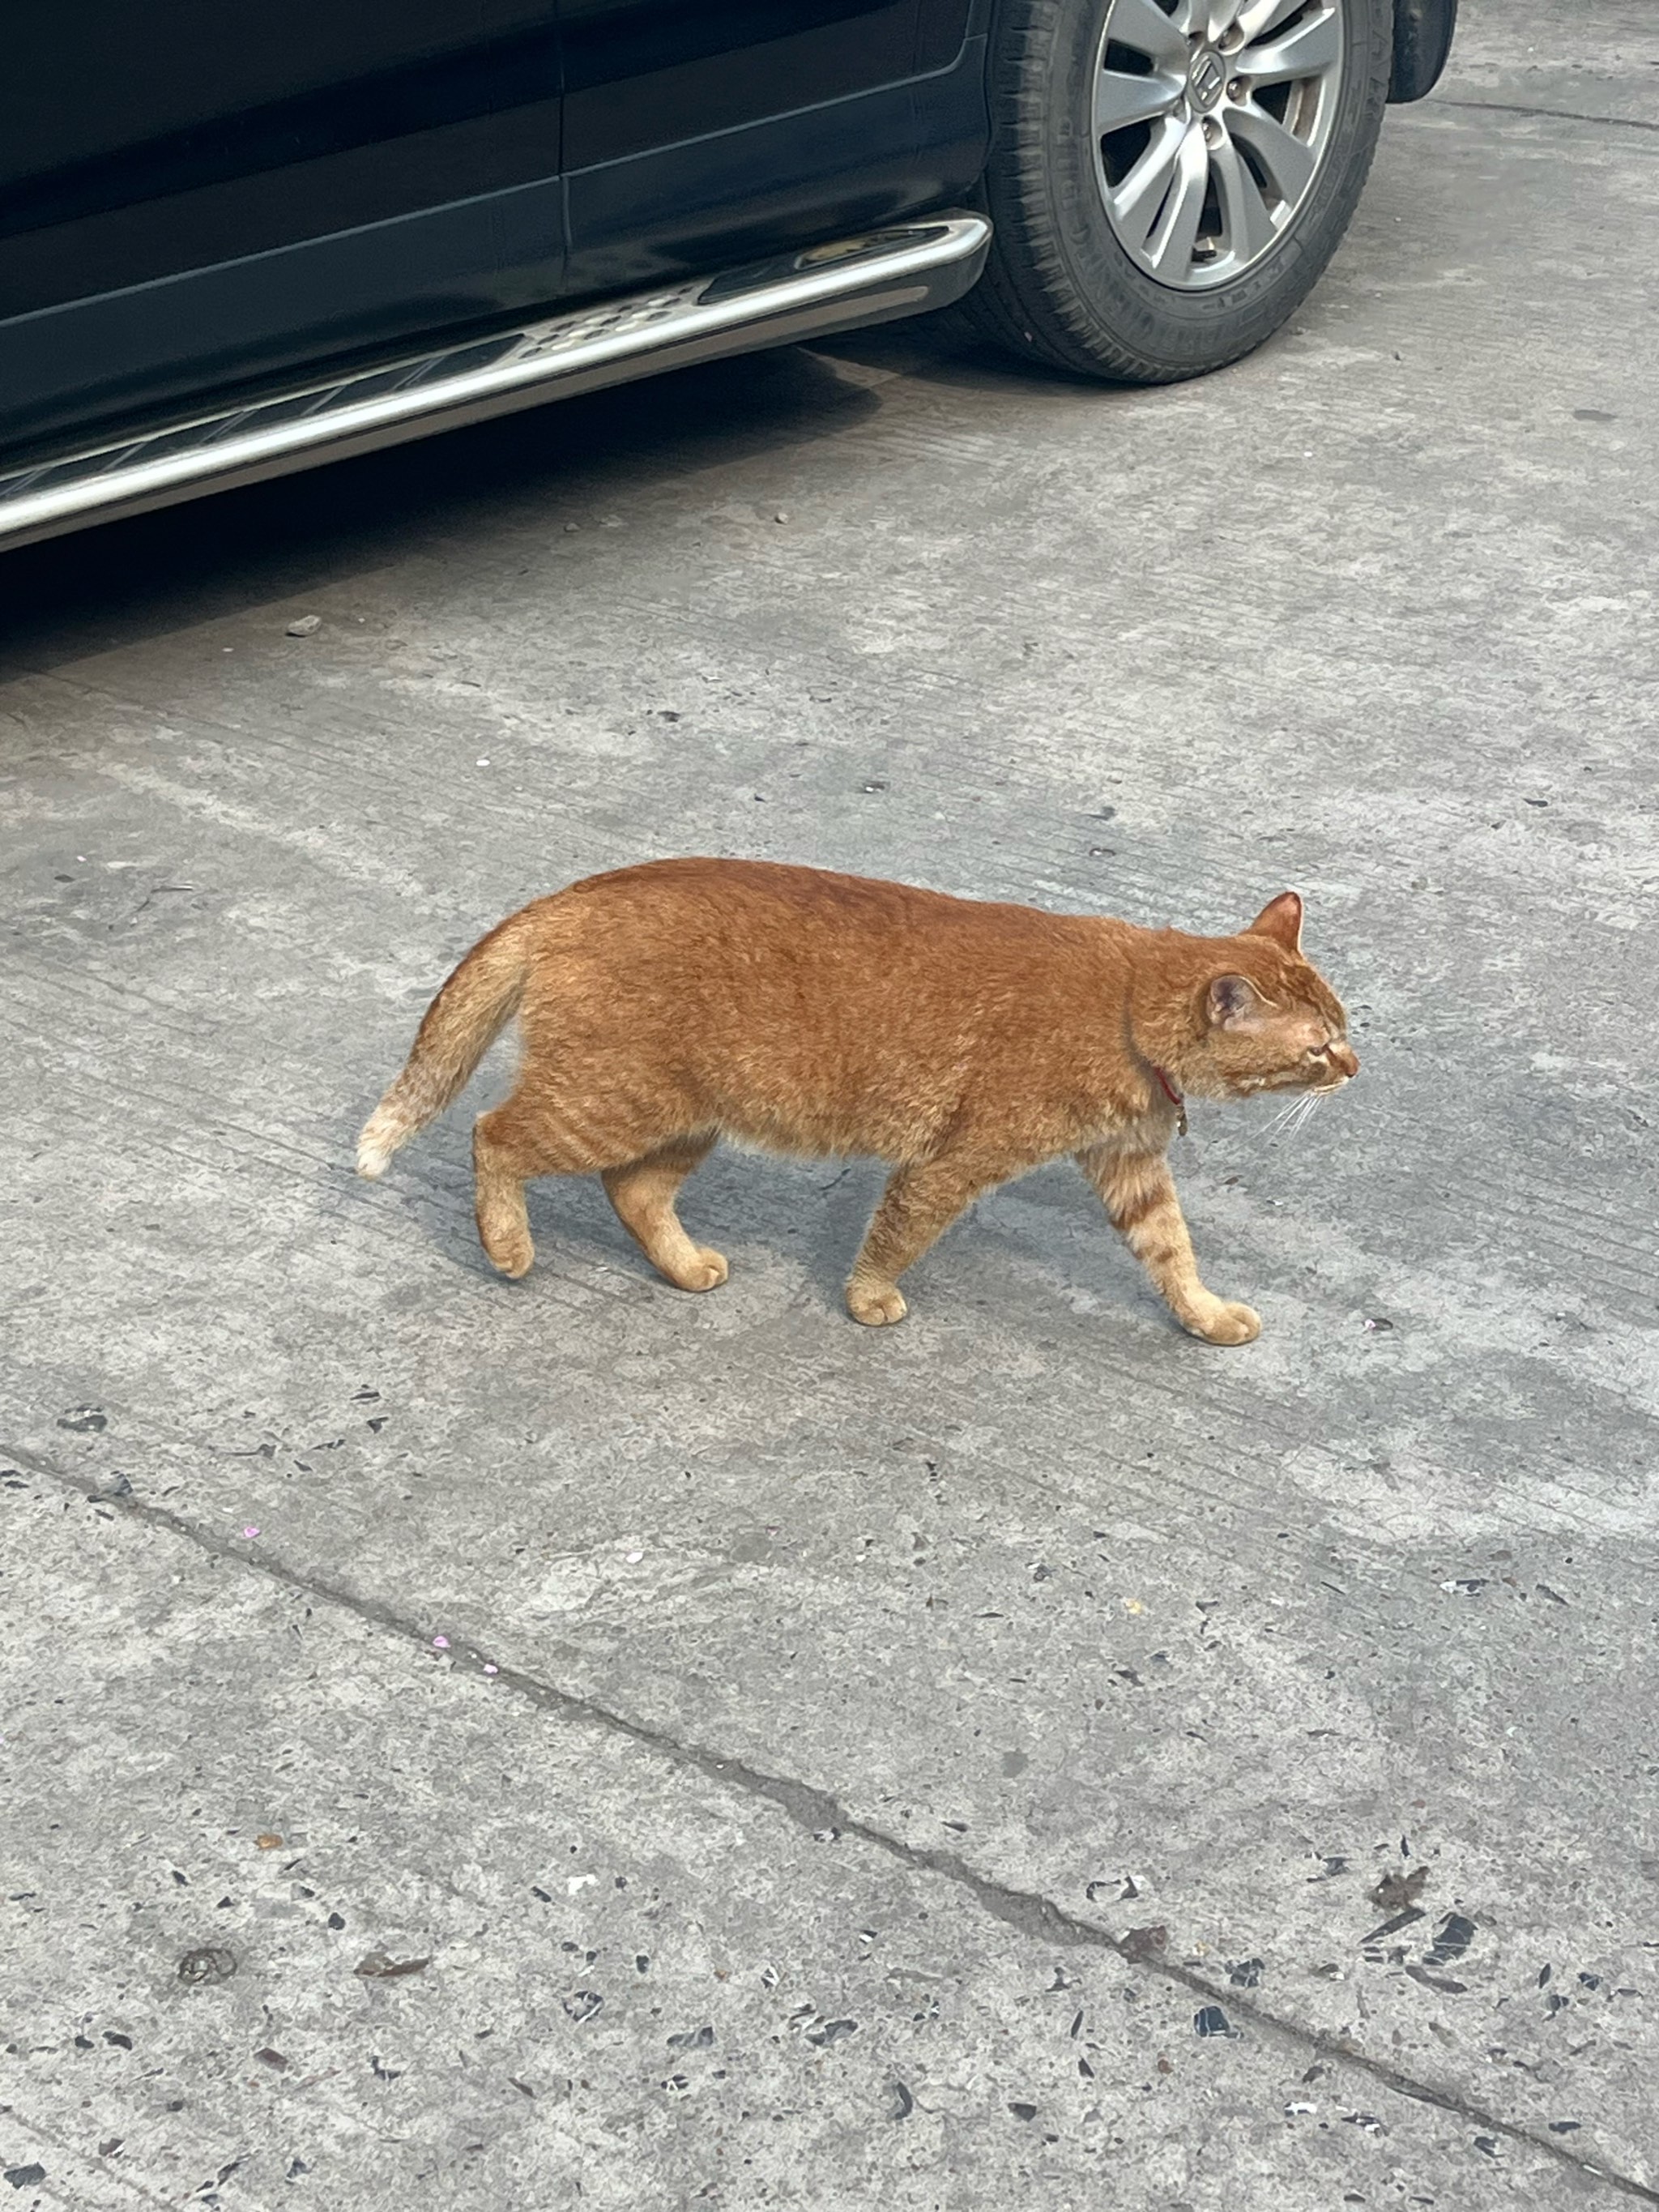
x=641 y=74
x=201 y=191
x=742 y=194
x=122 y=245
x=154 y=347
x=703 y=130
x=322 y=116
x=208 y=195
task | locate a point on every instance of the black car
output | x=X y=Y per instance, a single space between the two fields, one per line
x=237 y=237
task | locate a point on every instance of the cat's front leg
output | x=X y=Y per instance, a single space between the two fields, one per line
x=1139 y=1193
x=920 y=1203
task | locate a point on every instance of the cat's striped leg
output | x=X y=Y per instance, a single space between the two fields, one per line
x=643 y=1195
x=1139 y=1193
x=499 y=1165
x=919 y=1205
x=522 y=1137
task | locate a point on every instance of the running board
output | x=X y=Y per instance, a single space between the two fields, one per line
x=903 y=269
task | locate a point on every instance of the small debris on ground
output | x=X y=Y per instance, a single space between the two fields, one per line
x=375 y=1967
x=1451 y=1939
x=1397 y=1889
x=1394 y=1923
x=305 y=626
x=210 y=1964
x=1437 y=1980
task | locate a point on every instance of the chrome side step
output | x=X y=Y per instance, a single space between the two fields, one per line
x=902 y=270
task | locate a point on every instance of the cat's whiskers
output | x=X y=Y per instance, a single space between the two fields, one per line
x=1294 y=1117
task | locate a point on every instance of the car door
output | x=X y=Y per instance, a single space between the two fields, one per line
x=191 y=188
x=700 y=132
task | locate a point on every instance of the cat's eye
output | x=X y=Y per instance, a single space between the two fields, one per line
x=1316 y=1052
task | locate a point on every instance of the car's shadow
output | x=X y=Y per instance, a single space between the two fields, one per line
x=206 y=558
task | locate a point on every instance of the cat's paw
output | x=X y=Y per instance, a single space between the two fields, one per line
x=706 y=1272
x=1228 y=1324
x=511 y=1255
x=875 y=1307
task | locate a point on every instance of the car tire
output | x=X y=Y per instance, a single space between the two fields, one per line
x=1061 y=285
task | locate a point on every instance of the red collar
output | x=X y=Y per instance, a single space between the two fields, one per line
x=1173 y=1097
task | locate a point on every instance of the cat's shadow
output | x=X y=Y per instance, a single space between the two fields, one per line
x=804 y=1218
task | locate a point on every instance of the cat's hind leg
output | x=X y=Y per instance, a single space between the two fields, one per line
x=522 y=1138
x=643 y=1194
x=919 y=1205
x=504 y=1157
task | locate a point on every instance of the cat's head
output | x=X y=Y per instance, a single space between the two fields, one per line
x=1270 y=1020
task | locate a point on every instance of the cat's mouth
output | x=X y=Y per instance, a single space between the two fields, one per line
x=1253 y=1086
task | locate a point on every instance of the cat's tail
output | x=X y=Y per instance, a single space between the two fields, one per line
x=470 y=1012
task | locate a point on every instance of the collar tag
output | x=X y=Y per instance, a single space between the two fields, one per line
x=1175 y=1099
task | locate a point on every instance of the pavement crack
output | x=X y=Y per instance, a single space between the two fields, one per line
x=1554 y=114
x=817 y=1811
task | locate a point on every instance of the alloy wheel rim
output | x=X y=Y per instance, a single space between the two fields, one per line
x=1210 y=121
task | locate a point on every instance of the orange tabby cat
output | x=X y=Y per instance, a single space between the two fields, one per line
x=665 y=1006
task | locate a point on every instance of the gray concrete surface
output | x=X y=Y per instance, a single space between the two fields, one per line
x=820 y=1768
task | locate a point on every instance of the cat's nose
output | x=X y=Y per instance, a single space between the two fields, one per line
x=1347 y=1060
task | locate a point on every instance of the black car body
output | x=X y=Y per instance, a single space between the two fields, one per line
x=209 y=207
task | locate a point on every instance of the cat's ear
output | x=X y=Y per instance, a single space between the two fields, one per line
x=1281 y=919
x=1233 y=1003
